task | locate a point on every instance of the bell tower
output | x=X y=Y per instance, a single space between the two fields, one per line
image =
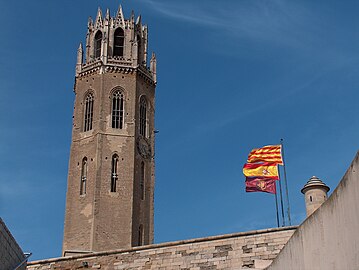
x=110 y=188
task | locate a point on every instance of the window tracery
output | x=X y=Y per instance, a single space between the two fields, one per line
x=97 y=44
x=83 y=179
x=88 y=117
x=114 y=173
x=143 y=116
x=117 y=109
x=118 y=42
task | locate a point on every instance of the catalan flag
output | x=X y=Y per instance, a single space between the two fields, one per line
x=260 y=184
x=269 y=153
x=267 y=170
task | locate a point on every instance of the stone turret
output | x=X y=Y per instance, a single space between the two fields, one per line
x=315 y=192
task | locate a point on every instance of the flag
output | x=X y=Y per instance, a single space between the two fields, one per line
x=260 y=184
x=267 y=170
x=269 y=153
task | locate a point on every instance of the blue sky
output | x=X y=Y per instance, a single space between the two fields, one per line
x=232 y=76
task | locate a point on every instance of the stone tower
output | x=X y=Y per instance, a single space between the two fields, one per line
x=315 y=192
x=109 y=200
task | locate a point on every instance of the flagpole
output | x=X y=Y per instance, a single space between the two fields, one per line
x=281 y=199
x=276 y=206
x=286 y=183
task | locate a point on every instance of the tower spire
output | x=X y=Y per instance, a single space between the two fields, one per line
x=120 y=21
x=90 y=23
x=107 y=14
x=153 y=65
x=99 y=19
x=132 y=18
x=138 y=20
x=79 y=62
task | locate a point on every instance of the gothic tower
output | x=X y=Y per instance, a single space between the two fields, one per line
x=109 y=200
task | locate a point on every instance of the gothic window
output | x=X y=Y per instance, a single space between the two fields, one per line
x=114 y=173
x=117 y=109
x=140 y=235
x=83 y=176
x=118 y=42
x=98 y=41
x=143 y=117
x=142 y=181
x=88 y=112
x=139 y=48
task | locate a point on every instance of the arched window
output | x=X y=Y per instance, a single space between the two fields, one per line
x=114 y=173
x=97 y=45
x=83 y=176
x=118 y=41
x=139 y=48
x=140 y=235
x=88 y=112
x=143 y=117
x=142 y=181
x=117 y=109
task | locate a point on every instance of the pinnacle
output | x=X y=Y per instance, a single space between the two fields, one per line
x=99 y=18
x=119 y=16
x=138 y=20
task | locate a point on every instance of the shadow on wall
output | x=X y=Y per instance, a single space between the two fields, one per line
x=328 y=238
x=11 y=255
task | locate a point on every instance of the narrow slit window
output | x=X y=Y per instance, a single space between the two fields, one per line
x=83 y=176
x=118 y=43
x=98 y=42
x=142 y=181
x=117 y=109
x=88 y=112
x=140 y=235
x=143 y=117
x=114 y=173
x=139 y=49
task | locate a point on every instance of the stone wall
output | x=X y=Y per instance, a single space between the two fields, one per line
x=232 y=251
x=11 y=254
x=329 y=238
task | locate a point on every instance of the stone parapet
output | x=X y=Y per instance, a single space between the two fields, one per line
x=328 y=239
x=11 y=254
x=230 y=251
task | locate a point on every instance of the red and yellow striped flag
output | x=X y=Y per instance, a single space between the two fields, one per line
x=268 y=153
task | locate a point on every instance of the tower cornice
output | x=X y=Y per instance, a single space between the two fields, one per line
x=116 y=66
